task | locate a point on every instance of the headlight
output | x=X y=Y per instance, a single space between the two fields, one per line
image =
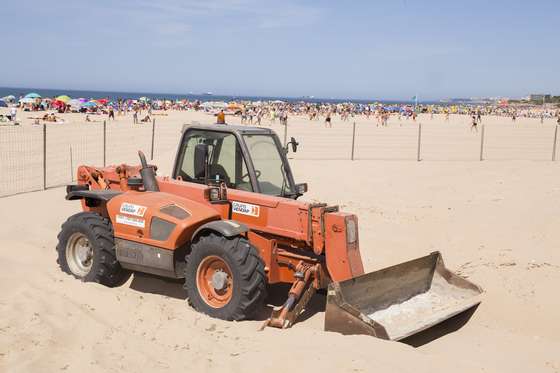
x=351 y=231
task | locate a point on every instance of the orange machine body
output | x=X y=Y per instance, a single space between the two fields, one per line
x=158 y=219
x=285 y=231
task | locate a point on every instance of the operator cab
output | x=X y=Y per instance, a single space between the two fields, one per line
x=244 y=158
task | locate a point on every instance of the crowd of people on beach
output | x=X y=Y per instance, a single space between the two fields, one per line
x=254 y=112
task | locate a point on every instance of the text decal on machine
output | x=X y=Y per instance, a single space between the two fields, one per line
x=245 y=209
x=128 y=220
x=132 y=209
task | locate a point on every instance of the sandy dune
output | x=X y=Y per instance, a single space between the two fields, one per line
x=495 y=223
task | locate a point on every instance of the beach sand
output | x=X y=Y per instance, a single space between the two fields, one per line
x=495 y=222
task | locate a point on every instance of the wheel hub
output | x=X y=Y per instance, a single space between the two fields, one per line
x=214 y=281
x=84 y=252
x=79 y=254
x=219 y=280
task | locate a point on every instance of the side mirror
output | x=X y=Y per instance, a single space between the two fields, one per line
x=201 y=161
x=294 y=145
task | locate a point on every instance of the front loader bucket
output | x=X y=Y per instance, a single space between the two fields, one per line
x=399 y=301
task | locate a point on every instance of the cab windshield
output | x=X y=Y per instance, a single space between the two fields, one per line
x=269 y=168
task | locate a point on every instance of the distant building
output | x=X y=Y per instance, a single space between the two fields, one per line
x=539 y=97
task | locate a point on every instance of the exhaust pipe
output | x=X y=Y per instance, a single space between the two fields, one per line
x=148 y=174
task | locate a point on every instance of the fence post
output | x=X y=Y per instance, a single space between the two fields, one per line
x=285 y=132
x=353 y=139
x=44 y=156
x=482 y=143
x=71 y=165
x=104 y=143
x=419 y=141
x=153 y=134
x=554 y=145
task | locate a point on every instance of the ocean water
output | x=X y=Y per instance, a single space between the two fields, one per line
x=17 y=92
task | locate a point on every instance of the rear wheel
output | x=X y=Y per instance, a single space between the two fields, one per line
x=86 y=249
x=225 y=277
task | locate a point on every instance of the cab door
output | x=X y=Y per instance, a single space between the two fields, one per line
x=225 y=160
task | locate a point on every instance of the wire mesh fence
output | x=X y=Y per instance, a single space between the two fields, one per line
x=424 y=142
x=124 y=141
x=398 y=143
x=68 y=146
x=21 y=159
x=38 y=157
x=518 y=143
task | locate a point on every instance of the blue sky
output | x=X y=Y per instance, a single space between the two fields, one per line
x=360 y=49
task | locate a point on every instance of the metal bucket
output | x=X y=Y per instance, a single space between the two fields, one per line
x=399 y=301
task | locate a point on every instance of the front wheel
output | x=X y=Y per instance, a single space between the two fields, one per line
x=86 y=249
x=225 y=277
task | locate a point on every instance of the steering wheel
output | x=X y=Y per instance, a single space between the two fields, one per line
x=257 y=174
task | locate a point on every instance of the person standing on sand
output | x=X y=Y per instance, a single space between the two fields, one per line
x=328 y=123
x=283 y=117
x=221 y=117
x=13 y=113
x=474 y=123
x=111 y=113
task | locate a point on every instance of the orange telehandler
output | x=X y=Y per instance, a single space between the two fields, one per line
x=229 y=222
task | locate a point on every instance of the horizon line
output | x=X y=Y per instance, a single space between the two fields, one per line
x=210 y=94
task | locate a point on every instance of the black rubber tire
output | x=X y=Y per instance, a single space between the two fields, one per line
x=247 y=267
x=105 y=268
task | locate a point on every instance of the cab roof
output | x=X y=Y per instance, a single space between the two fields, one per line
x=232 y=128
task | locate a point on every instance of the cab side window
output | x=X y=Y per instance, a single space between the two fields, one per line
x=225 y=159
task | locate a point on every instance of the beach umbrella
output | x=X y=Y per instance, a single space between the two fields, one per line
x=3 y=103
x=74 y=102
x=9 y=98
x=27 y=100
x=219 y=104
x=63 y=98
x=103 y=101
x=82 y=100
x=32 y=95
x=90 y=104
x=58 y=103
x=143 y=99
x=234 y=106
